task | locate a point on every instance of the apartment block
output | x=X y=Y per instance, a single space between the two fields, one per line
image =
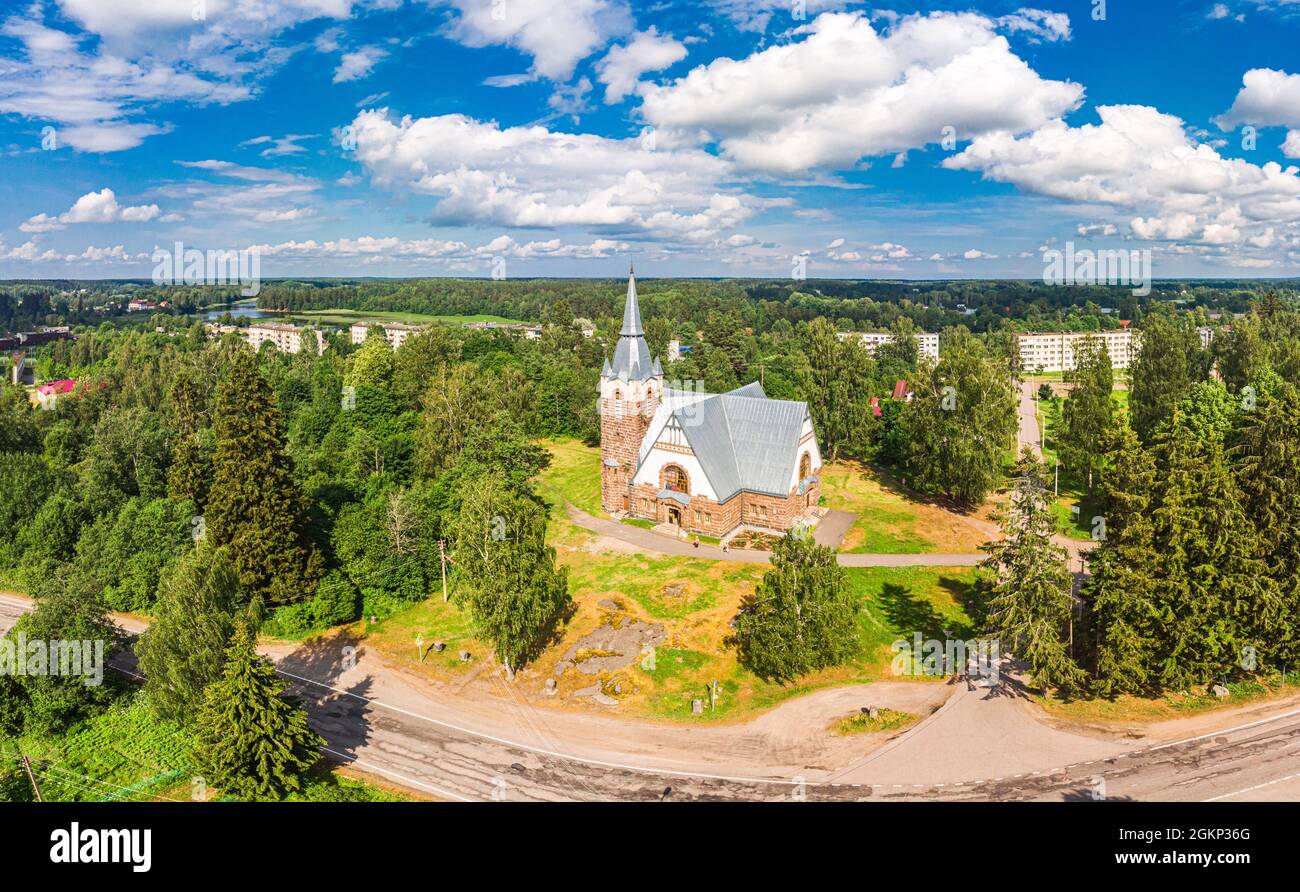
x=927 y=344
x=1054 y=351
x=286 y=338
x=395 y=333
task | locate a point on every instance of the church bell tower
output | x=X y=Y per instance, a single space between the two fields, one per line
x=630 y=387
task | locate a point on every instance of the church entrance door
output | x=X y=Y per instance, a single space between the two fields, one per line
x=675 y=516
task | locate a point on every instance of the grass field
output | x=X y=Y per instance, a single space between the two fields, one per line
x=574 y=476
x=126 y=754
x=694 y=600
x=889 y=522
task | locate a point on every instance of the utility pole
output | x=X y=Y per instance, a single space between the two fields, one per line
x=27 y=766
x=442 y=553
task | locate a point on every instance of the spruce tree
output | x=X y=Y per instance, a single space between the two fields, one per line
x=1031 y=600
x=801 y=617
x=1211 y=588
x=1123 y=571
x=254 y=742
x=1162 y=373
x=255 y=506
x=1267 y=453
x=184 y=648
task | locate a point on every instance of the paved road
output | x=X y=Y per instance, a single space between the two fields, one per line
x=645 y=540
x=979 y=745
x=1030 y=432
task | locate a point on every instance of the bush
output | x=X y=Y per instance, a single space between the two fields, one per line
x=336 y=602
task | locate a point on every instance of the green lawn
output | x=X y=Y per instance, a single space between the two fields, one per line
x=885 y=720
x=888 y=521
x=694 y=600
x=1172 y=705
x=574 y=476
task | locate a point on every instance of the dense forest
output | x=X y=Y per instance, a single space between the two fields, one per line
x=759 y=303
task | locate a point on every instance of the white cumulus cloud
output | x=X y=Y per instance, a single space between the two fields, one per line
x=623 y=65
x=93 y=207
x=530 y=176
x=1141 y=159
x=846 y=92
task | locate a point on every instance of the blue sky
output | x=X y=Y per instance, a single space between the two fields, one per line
x=715 y=138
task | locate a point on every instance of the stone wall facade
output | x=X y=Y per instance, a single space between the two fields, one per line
x=704 y=515
x=623 y=425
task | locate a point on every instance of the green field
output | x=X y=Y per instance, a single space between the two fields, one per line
x=573 y=477
x=126 y=754
x=348 y=317
x=694 y=600
x=890 y=521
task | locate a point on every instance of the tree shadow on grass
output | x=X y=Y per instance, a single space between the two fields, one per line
x=971 y=595
x=892 y=480
x=911 y=614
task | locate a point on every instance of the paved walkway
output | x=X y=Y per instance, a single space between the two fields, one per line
x=646 y=540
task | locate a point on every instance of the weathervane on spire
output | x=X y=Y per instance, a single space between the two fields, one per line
x=631 y=268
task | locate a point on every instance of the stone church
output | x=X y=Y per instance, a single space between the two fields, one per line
x=708 y=463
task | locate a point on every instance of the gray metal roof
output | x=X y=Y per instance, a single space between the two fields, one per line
x=632 y=360
x=742 y=439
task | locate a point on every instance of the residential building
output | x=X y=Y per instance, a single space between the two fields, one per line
x=395 y=333
x=47 y=395
x=528 y=331
x=1054 y=351
x=927 y=344
x=286 y=338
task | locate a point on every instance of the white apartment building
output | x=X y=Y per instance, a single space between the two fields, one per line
x=286 y=338
x=1054 y=351
x=395 y=333
x=926 y=344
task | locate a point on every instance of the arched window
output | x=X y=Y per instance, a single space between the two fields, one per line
x=675 y=479
x=618 y=395
x=805 y=467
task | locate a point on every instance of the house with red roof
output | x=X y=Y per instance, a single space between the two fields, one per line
x=47 y=395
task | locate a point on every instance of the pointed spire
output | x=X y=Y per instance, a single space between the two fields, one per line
x=632 y=310
x=632 y=360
